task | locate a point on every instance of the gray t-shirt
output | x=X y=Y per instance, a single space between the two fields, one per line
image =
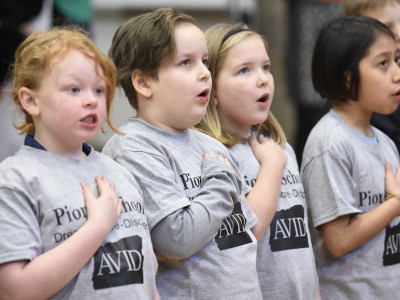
x=285 y=261
x=196 y=211
x=42 y=205
x=344 y=174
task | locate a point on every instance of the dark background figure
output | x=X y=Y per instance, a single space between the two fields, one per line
x=18 y=19
x=14 y=14
x=305 y=18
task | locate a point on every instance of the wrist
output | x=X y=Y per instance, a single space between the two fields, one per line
x=392 y=195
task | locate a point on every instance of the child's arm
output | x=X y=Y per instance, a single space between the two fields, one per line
x=347 y=233
x=187 y=230
x=264 y=195
x=48 y=273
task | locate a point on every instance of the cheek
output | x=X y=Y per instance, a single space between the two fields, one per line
x=367 y=86
x=102 y=109
x=231 y=93
x=271 y=96
x=229 y=100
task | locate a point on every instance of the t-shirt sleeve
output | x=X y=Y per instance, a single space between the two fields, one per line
x=330 y=188
x=19 y=229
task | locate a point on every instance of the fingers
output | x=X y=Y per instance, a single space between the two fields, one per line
x=104 y=209
x=104 y=186
x=392 y=180
x=219 y=157
x=86 y=191
x=388 y=169
x=253 y=142
x=119 y=205
x=397 y=175
x=262 y=138
x=224 y=160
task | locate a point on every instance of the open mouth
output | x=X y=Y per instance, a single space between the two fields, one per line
x=204 y=93
x=92 y=119
x=263 y=99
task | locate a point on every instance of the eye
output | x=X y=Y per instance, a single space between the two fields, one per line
x=244 y=70
x=74 y=90
x=100 y=91
x=206 y=62
x=384 y=63
x=266 y=67
x=397 y=60
x=185 y=62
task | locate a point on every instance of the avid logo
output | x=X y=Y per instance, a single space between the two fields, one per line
x=119 y=263
x=233 y=230
x=391 y=255
x=288 y=230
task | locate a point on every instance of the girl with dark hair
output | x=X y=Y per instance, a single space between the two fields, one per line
x=349 y=168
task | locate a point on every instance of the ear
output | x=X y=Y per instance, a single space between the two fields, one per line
x=347 y=79
x=141 y=84
x=28 y=100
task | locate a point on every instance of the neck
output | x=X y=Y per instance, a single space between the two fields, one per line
x=354 y=117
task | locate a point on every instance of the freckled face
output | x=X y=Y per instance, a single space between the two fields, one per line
x=244 y=87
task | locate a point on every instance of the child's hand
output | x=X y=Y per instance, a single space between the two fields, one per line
x=103 y=211
x=268 y=152
x=392 y=181
x=220 y=157
x=224 y=160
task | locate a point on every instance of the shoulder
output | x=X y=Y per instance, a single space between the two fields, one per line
x=24 y=157
x=136 y=136
x=291 y=155
x=25 y=164
x=11 y=164
x=383 y=137
x=387 y=143
x=289 y=150
x=205 y=137
x=331 y=136
x=209 y=143
x=329 y=133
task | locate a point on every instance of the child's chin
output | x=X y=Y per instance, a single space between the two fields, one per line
x=198 y=120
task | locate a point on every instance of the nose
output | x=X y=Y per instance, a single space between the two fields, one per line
x=91 y=99
x=396 y=73
x=205 y=73
x=396 y=31
x=263 y=78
